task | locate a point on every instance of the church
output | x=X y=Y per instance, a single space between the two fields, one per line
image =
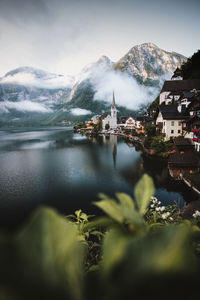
x=111 y=120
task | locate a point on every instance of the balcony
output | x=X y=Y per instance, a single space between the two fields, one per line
x=196 y=140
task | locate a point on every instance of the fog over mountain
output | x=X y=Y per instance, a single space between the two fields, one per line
x=136 y=79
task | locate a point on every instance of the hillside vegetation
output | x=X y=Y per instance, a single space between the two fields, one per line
x=191 y=69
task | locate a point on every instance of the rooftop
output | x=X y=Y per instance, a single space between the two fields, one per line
x=181 y=141
x=183 y=160
x=181 y=85
x=170 y=112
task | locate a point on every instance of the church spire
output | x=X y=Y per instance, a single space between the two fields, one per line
x=113 y=101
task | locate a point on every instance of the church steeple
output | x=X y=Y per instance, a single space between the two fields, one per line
x=114 y=109
x=113 y=101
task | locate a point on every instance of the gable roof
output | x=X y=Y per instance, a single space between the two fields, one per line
x=181 y=141
x=180 y=85
x=170 y=112
x=183 y=160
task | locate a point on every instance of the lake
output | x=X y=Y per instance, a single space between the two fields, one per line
x=55 y=167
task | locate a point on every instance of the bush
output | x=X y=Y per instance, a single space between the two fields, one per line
x=107 y=127
x=160 y=146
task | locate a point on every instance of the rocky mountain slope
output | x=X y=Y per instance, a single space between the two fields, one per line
x=28 y=94
x=149 y=64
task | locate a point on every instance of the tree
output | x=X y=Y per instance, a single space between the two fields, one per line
x=150 y=129
x=107 y=127
x=191 y=68
x=158 y=144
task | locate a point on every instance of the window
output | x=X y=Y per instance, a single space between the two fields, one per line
x=172 y=131
x=172 y=123
x=179 y=131
x=179 y=123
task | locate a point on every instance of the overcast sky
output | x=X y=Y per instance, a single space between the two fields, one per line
x=62 y=36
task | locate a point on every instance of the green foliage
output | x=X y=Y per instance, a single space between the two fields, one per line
x=154 y=105
x=150 y=129
x=191 y=68
x=107 y=126
x=144 y=190
x=160 y=146
x=139 y=244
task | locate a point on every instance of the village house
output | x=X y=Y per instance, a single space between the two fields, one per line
x=177 y=100
x=169 y=121
x=172 y=90
x=181 y=164
x=192 y=127
x=130 y=124
x=183 y=145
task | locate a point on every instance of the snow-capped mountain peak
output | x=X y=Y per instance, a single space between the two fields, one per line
x=148 y=62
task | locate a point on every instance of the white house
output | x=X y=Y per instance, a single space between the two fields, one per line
x=173 y=90
x=169 y=121
x=130 y=123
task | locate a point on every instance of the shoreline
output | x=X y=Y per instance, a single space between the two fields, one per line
x=139 y=141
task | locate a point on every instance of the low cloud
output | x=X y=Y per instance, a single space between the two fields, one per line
x=128 y=92
x=23 y=106
x=50 y=82
x=80 y=112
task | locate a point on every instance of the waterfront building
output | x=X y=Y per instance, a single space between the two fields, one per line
x=130 y=123
x=111 y=119
x=183 y=145
x=173 y=90
x=169 y=121
x=181 y=164
x=192 y=128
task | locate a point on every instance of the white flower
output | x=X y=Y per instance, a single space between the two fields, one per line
x=152 y=205
x=196 y=214
x=154 y=200
x=171 y=219
x=165 y=215
x=159 y=202
x=162 y=208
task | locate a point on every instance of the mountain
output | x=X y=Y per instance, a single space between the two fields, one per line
x=136 y=78
x=149 y=64
x=28 y=94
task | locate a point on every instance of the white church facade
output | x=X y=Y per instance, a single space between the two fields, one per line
x=111 y=120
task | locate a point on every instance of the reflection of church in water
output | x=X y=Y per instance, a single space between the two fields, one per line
x=111 y=140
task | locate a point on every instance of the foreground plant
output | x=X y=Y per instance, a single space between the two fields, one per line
x=118 y=256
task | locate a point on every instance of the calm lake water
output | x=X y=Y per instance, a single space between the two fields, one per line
x=55 y=167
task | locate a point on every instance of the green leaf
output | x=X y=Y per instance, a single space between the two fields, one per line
x=114 y=246
x=111 y=208
x=84 y=217
x=78 y=212
x=52 y=248
x=143 y=192
x=101 y=222
x=125 y=200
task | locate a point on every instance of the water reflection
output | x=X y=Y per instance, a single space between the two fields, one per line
x=56 y=167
